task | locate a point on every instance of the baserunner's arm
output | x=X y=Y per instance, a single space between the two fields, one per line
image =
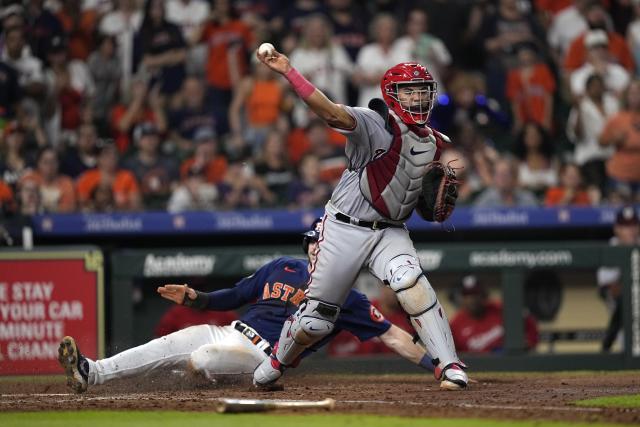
x=402 y=343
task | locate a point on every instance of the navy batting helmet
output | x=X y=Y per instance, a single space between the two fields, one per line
x=312 y=235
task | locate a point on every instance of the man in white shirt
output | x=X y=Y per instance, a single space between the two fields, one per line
x=17 y=54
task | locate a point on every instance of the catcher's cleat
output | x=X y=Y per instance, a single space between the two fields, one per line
x=268 y=372
x=75 y=365
x=452 y=377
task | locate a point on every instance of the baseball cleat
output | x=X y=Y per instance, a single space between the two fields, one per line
x=453 y=377
x=75 y=365
x=267 y=372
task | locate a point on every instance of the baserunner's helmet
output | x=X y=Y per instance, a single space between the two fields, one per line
x=419 y=90
x=312 y=235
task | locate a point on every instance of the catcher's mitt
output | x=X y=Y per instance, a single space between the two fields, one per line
x=439 y=192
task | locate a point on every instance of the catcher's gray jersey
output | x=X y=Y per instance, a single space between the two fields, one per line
x=370 y=140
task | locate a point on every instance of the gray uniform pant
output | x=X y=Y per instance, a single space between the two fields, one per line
x=343 y=249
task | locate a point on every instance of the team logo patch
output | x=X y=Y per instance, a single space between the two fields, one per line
x=376 y=316
x=416 y=73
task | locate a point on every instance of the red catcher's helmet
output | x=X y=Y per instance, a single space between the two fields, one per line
x=419 y=104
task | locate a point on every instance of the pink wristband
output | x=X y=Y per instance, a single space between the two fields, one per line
x=303 y=88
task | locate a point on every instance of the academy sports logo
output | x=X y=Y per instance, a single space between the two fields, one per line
x=178 y=265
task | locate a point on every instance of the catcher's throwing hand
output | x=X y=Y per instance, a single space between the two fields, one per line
x=176 y=293
x=276 y=61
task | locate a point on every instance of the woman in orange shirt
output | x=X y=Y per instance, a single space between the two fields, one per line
x=571 y=190
x=56 y=190
x=622 y=131
x=123 y=183
x=256 y=106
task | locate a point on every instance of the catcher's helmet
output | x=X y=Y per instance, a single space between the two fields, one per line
x=312 y=235
x=416 y=77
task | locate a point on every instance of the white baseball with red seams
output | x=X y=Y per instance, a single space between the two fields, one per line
x=266 y=49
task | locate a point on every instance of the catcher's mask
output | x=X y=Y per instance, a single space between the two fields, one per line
x=410 y=91
x=312 y=235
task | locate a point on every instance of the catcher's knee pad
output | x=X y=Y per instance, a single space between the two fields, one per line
x=414 y=293
x=314 y=320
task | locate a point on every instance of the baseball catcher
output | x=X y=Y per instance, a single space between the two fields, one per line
x=391 y=152
x=279 y=288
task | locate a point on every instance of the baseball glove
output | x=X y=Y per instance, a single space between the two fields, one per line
x=439 y=192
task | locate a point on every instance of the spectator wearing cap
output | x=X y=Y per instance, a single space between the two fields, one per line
x=123 y=184
x=191 y=113
x=14 y=158
x=529 y=89
x=598 y=19
x=616 y=77
x=81 y=156
x=17 y=54
x=477 y=327
x=206 y=159
x=79 y=26
x=143 y=105
x=155 y=172
x=106 y=72
x=506 y=190
x=626 y=232
x=622 y=132
x=69 y=87
x=57 y=193
x=160 y=50
x=122 y=23
x=584 y=126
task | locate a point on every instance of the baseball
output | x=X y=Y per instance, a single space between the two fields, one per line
x=266 y=49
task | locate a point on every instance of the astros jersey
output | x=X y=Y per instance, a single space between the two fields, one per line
x=278 y=288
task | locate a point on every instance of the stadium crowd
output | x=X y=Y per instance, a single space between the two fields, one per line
x=126 y=105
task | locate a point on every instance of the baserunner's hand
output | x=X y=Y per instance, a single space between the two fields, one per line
x=176 y=293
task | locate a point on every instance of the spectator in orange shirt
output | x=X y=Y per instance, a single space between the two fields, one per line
x=597 y=18
x=56 y=190
x=7 y=203
x=122 y=182
x=530 y=88
x=571 y=191
x=256 y=106
x=206 y=158
x=332 y=159
x=79 y=24
x=622 y=131
x=229 y=41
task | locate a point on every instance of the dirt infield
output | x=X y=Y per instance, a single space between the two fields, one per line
x=504 y=396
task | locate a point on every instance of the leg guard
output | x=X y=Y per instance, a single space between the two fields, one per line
x=419 y=300
x=313 y=321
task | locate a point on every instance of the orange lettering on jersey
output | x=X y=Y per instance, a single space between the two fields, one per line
x=265 y=292
x=275 y=293
x=298 y=297
x=287 y=290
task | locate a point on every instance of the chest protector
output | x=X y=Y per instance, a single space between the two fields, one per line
x=392 y=182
